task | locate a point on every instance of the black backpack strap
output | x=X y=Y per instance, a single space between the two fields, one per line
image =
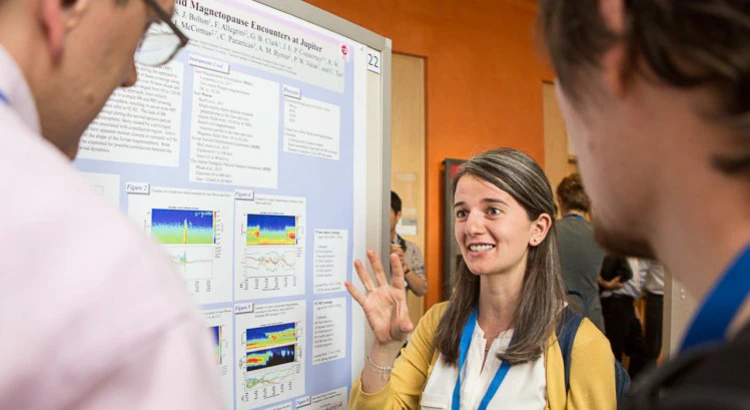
x=567 y=327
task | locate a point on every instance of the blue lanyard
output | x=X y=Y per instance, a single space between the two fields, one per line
x=574 y=216
x=466 y=336
x=712 y=320
x=4 y=99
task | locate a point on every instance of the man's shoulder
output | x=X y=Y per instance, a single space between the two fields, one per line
x=727 y=367
x=713 y=380
x=73 y=266
x=65 y=245
x=54 y=207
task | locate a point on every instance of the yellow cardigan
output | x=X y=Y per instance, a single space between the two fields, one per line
x=592 y=372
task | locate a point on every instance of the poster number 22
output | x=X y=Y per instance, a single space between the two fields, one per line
x=373 y=61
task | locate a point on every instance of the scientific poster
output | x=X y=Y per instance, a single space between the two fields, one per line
x=238 y=158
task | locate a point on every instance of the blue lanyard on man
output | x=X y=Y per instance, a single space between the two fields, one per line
x=466 y=336
x=4 y=99
x=710 y=324
x=574 y=215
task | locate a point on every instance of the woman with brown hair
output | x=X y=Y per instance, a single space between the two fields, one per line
x=494 y=344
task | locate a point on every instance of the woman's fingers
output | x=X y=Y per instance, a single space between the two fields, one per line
x=405 y=325
x=363 y=276
x=356 y=294
x=377 y=267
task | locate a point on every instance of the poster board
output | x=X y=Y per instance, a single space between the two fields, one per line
x=257 y=159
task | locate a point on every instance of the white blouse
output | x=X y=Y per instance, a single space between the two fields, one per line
x=524 y=387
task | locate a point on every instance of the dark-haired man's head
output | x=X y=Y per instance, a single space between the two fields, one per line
x=395 y=211
x=655 y=98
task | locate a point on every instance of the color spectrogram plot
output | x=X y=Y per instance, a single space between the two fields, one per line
x=269 y=247
x=270 y=353
x=221 y=328
x=269 y=336
x=183 y=227
x=216 y=332
x=275 y=356
x=271 y=230
x=195 y=228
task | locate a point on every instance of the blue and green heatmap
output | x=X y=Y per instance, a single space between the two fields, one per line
x=183 y=227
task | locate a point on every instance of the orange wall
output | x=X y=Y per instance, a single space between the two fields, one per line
x=484 y=83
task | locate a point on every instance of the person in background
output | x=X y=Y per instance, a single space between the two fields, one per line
x=93 y=315
x=407 y=252
x=616 y=270
x=581 y=258
x=494 y=344
x=654 y=295
x=620 y=318
x=655 y=98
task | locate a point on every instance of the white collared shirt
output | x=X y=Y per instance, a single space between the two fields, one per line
x=655 y=278
x=92 y=314
x=524 y=387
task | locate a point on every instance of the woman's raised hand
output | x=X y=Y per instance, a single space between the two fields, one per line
x=384 y=305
